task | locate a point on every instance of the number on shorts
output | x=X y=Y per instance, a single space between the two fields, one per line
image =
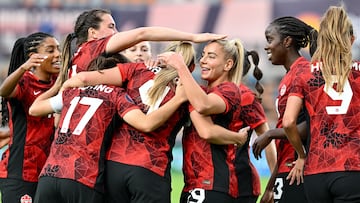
x=344 y=96
x=278 y=188
x=94 y=104
x=197 y=195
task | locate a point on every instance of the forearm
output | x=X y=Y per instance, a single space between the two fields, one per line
x=222 y=136
x=159 y=116
x=271 y=155
x=271 y=182
x=270 y=149
x=213 y=133
x=153 y=120
x=195 y=94
x=295 y=140
x=41 y=106
x=9 y=84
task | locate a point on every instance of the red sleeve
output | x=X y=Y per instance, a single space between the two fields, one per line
x=229 y=92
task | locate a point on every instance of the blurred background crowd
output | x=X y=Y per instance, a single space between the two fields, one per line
x=243 y=19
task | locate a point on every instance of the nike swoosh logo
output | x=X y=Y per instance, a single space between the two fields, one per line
x=37 y=92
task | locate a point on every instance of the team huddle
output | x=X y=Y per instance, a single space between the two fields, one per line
x=98 y=124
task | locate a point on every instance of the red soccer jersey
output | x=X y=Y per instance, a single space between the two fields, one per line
x=209 y=166
x=285 y=152
x=253 y=115
x=30 y=136
x=334 y=120
x=86 y=53
x=152 y=150
x=78 y=150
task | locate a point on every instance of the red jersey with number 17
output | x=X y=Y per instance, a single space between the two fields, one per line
x=152 y=150
x=334 y=120
x=86 y=126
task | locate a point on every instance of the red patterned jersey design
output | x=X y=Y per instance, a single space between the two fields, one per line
x=253 y=115
x=30 y=136
x=85 y=53
x=85 y=127
x=286 y=153
x=149 y=150
x=334 y=120
x=209 y=166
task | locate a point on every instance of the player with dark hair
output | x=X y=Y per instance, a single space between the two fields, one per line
x=285 y=37
x=253 y=115
x=34 y=65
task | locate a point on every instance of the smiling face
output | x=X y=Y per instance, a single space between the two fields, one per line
x=214 y=65
x=275 y=47
x=50 y=48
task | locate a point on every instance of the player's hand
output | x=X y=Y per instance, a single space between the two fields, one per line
x=260 y=143
x=35 y=60
x=296 y=172
x=172 y=59
x=243 y=135
x=180 y=90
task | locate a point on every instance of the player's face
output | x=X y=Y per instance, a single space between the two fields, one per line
x=139 y=53
x=213 y=63
x=50 y=48
x=107 y=27
x=275 y=48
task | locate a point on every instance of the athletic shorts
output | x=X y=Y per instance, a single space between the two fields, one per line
x=58 y=190
x=126 y=182
x=17 y=191
x=284 y=192
x=336 y=187
x=199 y=195
x=246 y=199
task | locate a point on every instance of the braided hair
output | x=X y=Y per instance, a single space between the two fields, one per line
x=257 y=73
x=19 y=55
x=301 y=33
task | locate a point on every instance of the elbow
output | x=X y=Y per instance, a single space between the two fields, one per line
x=33 y=111
x=82 y=79
x=205 y=134
x=288 y=123
x=147 y=128
x=142 y=35
x=3 y=92
x=202 y=109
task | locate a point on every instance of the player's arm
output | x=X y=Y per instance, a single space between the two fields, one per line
x=293 y=107
x=264 y=139
x=268 y=196
x=43 y=105
x=123 y=40
x=109 y=76
x=216 y=134
x=150 y=122
x=8 y=87
x=270 y=149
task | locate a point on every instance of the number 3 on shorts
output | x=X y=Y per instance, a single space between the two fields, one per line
x=197 y=195
x=278 y=188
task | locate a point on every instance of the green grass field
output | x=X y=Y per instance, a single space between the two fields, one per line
x=178 y=183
